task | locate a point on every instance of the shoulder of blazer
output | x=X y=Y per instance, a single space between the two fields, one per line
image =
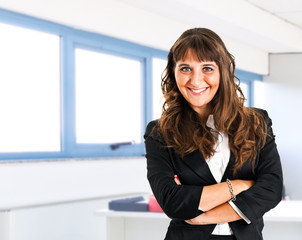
x=150 y=128
x=152 y=131
x=264 y=114
x=261 y=111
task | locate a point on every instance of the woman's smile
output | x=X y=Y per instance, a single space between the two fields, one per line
x=198 y=91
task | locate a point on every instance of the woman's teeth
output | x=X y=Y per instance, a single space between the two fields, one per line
x=198 y=90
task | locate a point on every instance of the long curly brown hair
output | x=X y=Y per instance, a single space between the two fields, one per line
x=184 y=130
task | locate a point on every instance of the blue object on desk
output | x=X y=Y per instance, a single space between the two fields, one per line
x=137 y=204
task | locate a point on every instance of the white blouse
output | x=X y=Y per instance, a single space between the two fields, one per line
x=218 y=164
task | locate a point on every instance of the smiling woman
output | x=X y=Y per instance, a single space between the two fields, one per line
x=212 y=163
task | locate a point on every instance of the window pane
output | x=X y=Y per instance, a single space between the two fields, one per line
x=159 y=66
x=108 y=98
x=29 y=90
x=259 y=94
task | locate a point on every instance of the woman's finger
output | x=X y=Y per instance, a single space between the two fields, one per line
x=176 y=179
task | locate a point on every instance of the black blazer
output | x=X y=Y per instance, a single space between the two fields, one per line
x=180 y=202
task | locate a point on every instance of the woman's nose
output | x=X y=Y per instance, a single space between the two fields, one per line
x=196 y=78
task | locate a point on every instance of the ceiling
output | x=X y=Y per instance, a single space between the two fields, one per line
x=274 y=26
x=287 y=10
x=269 y=26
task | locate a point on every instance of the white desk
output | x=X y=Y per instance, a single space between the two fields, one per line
x=283 y=221
x=286 y=211
x=134 y=225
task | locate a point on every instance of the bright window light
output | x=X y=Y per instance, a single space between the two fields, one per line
x=29 y=90
x=159 y=66
x=108 y=98
x=259 y=94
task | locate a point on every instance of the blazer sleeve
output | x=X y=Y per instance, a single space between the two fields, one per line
x=266 y=193
x=177 y=201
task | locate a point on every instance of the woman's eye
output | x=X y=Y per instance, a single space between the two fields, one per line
x=207 y=69
x=185 y=69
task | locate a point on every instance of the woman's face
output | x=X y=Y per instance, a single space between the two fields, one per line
x=197 y=81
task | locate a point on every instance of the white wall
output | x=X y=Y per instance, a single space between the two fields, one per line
x=282 y=97
x=37 y=183
x=56 y=199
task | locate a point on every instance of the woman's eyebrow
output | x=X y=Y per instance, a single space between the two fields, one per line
x=204 y=64
x=183 y=64
x=209 y=64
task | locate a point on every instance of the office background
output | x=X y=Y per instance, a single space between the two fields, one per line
x=55 y=198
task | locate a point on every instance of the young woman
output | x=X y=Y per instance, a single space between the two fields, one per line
x=212 y=163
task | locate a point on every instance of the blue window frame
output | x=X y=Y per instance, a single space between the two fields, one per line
x=70 y=40
x=248 y=78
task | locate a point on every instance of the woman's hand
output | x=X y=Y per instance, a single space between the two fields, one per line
x=222 y=214
x=217 y=194
x=176 y=179
x=199 y=220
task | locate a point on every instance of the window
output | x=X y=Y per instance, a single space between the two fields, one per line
x=108 y=98
x=71 y=93
x=67 y=93
x=247 y=80
x=259 y=98
x=29 y=90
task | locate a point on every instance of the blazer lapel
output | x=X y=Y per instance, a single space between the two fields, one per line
x=197 y=163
